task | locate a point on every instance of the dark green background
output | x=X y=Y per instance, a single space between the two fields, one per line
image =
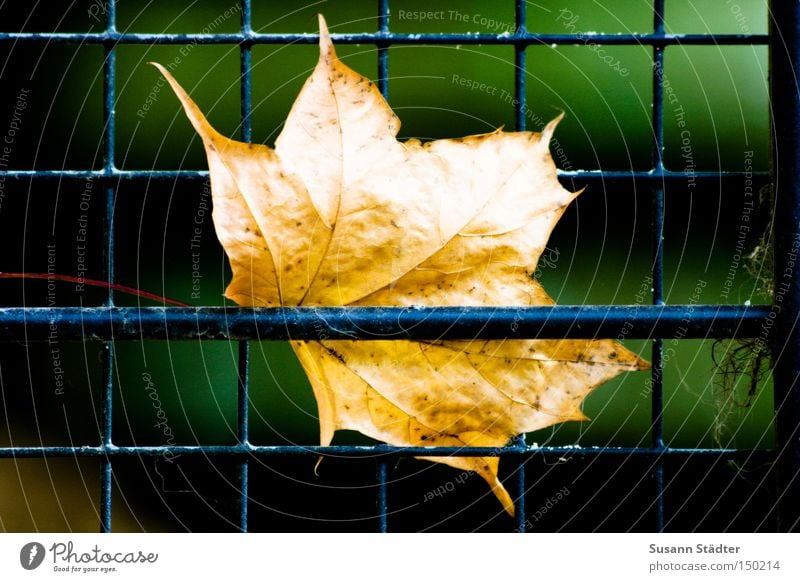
x=603 y=256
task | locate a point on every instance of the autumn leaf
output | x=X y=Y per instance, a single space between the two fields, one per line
x=341 y=213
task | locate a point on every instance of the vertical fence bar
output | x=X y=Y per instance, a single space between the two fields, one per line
x=243 y=430
x=246 y=62
x=785 y=99
x=383 y=87
x=520 y=52
x=109 y=98
x=106 y=475
x=382 y=501
x=109 y=143
x=657 y=396
x=243 y=364
x=383 y=49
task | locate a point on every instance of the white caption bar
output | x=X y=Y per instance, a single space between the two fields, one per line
x=396 y=557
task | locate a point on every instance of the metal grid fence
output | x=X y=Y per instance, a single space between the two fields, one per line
x=109 y=324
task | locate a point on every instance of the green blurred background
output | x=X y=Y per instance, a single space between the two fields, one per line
x=599 y=254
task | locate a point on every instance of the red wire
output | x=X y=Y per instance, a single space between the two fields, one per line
x=95 y=283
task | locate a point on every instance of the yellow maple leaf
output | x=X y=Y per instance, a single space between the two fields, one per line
x=341 y=213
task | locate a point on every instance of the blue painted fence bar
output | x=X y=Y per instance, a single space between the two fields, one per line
x=429 y=323
x=383 y=451
x=579 y=177
x=386 y=37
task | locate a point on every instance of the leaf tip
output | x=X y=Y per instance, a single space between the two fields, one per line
x=549 y=129
x=163 y=70
x=316 y=466
x=191 y=109
x=505 y=499
x=325 y=42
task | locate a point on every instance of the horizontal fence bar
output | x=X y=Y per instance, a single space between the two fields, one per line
x=383 y=323
x=377 y=451
x=383 y=38
x=575 y=176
